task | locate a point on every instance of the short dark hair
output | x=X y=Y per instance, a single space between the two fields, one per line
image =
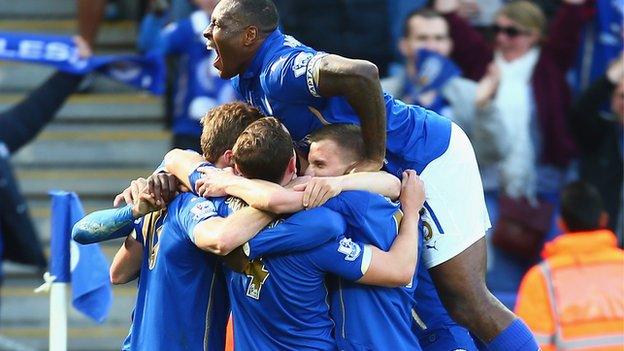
x=423 y=12
x=222 y=125
x=581 y=206
x=260 y=13
x=263 y=150
x=347 y=136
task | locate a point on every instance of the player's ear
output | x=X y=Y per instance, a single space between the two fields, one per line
x=227 y=158
x=251 y=34
x=292 y=164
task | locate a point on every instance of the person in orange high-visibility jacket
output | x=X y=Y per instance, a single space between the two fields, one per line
x=574 y=299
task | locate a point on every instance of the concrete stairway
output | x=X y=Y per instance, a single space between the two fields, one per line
x=96 y=144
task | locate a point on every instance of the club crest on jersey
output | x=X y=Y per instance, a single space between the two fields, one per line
x=427 y=232
x=350 y=249
x=203 y=210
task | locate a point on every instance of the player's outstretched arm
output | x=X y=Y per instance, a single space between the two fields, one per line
x=258 y=194
x=222 y=235
x=320 y=189
x=358 y=82
x=115 y=222
x=397 y=266
x=127 y=262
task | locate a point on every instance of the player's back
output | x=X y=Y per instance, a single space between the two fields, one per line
x=280 y=82
x=371 y=317
x=280 y=302
x=182 y=301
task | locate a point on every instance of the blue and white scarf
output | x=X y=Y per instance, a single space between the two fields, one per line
x=143 y=72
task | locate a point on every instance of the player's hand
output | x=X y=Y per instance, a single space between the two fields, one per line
x=213 y=181
x=366 y=165
x=318 y=190
x=145 y=201
x=412 y=192
x=163 y=187
x=300 y=180
x=130 y=193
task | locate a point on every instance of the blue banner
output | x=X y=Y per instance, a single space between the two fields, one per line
x=84 y=265
x=60 y=52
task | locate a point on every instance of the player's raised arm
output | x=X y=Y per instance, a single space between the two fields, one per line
x=397 y=266
x=358 y=82
x=115 y=222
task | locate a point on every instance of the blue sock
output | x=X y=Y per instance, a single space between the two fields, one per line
x=516 y=337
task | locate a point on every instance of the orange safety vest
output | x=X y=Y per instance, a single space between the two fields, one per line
x=574 y=299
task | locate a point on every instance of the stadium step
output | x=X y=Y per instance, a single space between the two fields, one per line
x=109 y=108
x=118 y=34
x=37 y=10
x=19 y=77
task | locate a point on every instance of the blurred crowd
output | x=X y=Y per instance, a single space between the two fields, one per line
x=538 y=86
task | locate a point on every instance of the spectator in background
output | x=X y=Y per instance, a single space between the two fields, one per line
x=19 y=125
x=533 y=98
x=198 y=87
x=603 y=42
x=431 y=80
x=599 y=136
x=574 y=299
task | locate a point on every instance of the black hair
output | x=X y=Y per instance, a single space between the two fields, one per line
x=260 y=13
x=581 y=207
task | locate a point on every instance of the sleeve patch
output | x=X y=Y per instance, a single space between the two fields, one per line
x=350 y=249
x=301 y=63
x=203 y=210
x=312 y=74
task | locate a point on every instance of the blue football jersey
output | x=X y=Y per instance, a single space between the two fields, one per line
x=182 y=299
x=370 y=317
x=198 y=87
x=280 y=302
x=280 y=82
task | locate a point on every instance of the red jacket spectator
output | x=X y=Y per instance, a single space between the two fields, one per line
x=550 y=89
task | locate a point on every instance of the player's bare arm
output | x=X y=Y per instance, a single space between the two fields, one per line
x=127 y=261
x=313 y=193
x=181 y=163
x=116 y=222
x=397 y=266
x=222 y=235
x=358 y=82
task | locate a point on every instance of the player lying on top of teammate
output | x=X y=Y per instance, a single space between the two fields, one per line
x=181 y=221
x=307 y=89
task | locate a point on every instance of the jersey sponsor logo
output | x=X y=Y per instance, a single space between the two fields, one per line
x=350 y=249
x=301 y=63
x=203 y=210
x=257 y=274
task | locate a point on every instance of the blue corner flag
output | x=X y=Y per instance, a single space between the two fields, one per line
x=84 y=265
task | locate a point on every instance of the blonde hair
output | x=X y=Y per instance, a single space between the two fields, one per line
x=526 y=14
